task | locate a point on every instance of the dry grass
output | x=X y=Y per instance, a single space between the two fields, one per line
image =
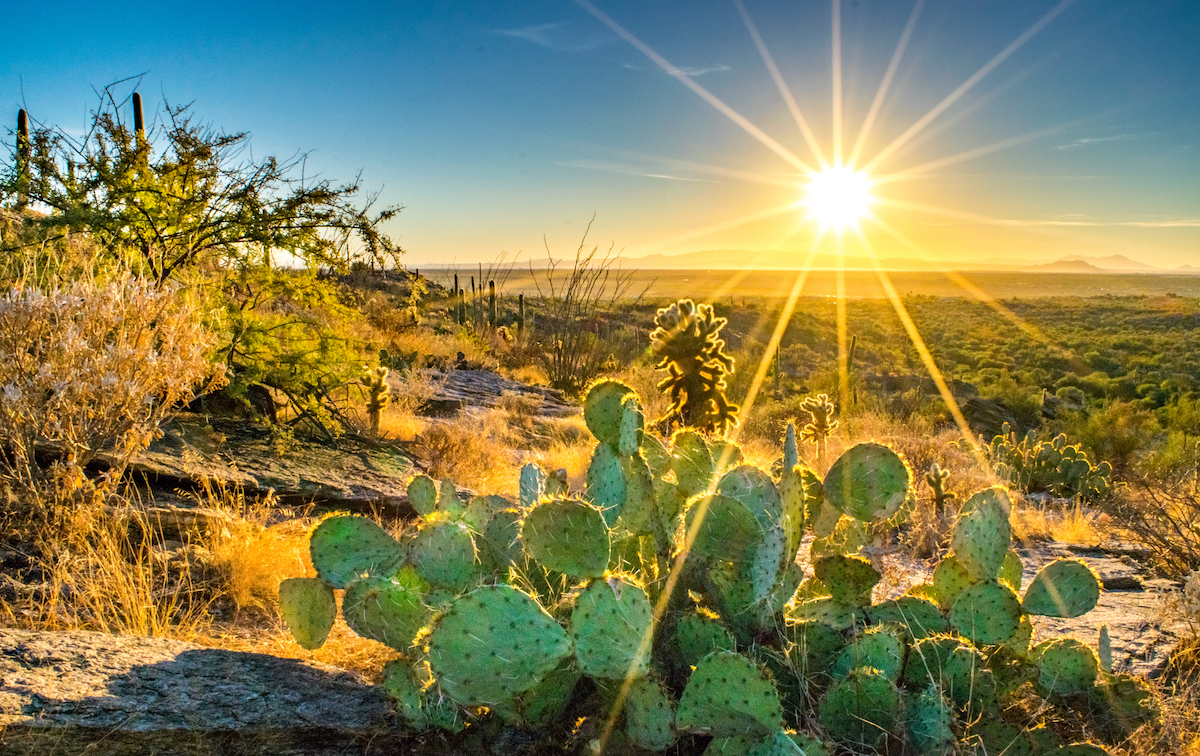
x=474 y=450
x=1074 y=523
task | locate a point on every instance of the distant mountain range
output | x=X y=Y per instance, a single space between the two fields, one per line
x=744 y=259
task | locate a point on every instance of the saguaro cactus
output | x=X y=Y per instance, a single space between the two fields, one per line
x=491 y=304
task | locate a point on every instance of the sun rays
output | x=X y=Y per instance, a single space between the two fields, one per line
x=836 y=194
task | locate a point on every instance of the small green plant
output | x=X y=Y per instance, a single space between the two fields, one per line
x=936 y=479
x=378 y=395
x=687 y=344
x=822 y=425
x=672 y=583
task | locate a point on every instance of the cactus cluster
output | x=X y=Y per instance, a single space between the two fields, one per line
x=686 y=343
x=666 y=601
x=1054 y=466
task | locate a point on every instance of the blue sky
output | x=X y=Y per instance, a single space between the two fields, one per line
x=498 y=124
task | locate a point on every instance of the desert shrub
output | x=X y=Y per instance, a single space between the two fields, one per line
x=93 y=367
x=1163 y=517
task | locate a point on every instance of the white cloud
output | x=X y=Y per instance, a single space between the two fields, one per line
x=694 y=71
x=563 y=36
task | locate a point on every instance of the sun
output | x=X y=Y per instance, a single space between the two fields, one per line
x=838 y=196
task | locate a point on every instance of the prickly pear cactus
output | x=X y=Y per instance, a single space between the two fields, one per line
x=868 y=482
x=389 y=611
x=649 y=715
x=728 y=695
x=861 y=711
x=494 y=644
x=610 y=627
x=346 y=548
x=1063 y=588
x=309 y=609
x=567 y=536
x=603 y=407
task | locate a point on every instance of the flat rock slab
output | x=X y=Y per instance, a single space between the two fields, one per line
x=76 y=692
x=456 y=390
x=353 y=475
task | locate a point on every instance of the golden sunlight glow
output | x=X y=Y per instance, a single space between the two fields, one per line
x=838 y=197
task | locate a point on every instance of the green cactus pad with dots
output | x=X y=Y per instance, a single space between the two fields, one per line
x=422 y=495
x=480 y=510
x=725 y=454
x=849 y=579
x=602 y=410
x=721 y=528
x=837 y=614
x=982 y=534
x=814 y=647
x=1012 y=570
x=388 y=610
x=986 y=613
x=568 y=536
x=961 y=671
x=763 y=567
x=656 y=455
x=448 y=501
x=879 y=648
x=531 y=484
x=346 y=548
x=997 y=736
x=950 y=579
x=639 y=515
x=606 y=485
x=918 y=617
x=632 y=428
x=309 y=609
x=930 y=719
x=444 y=554
x=729 y=695
x=401 y=687
x=697 y=635
x=755 y=489
x=500 y=545
x=861 y=710
x=1065 y=667
x=494 y=644
x=692 y=463
x=649 y=715
x=1064 y=588
x=610 y=619
x=545 y=702
x=868 y=482
x=797 y=493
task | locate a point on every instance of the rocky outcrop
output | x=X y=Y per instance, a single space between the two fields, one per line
x=353 y=474
x=456 y=390
x=78 y=692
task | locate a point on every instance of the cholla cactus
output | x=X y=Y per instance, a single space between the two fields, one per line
x=822 y=425
x=688 y=346
x=936 y=478
x=378 y=394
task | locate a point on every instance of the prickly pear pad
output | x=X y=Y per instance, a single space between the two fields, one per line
x=849 y=579
x=606 y=486
x=633 y=427
x=778 y=744
x=861 y=710
x=1063 y=588
x=532 y=484
x=346 y=548
x=982 y=535
x=639 y=515
x=756 y=490
x=1065 y=666
x=950 y=579
x=500 y=546
x=878 y=649
x=919 y=618
x=929 y=723
x=422 y=495
x=795 y=494
x=649 y=715
x=309 y=609
x=494 y=644
x=546 y=701
x=1012 y=572
x=986 y=613
x=696 y=636
x=385 y=610
x=567 y=536
x=398 y=683
x=608 y=623
x=692 y=462
x=729 y=695
x=602 y=410
x=723 y=528
x=444 y=554
x=868 y=482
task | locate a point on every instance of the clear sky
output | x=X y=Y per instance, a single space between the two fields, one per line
x=496 y=124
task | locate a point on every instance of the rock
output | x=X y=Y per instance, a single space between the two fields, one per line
x=354 y=475
x=455 y=390
x=987 y=417
x=76 y=692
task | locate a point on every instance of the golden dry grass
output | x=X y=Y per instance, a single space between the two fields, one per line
x=1072 y=524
